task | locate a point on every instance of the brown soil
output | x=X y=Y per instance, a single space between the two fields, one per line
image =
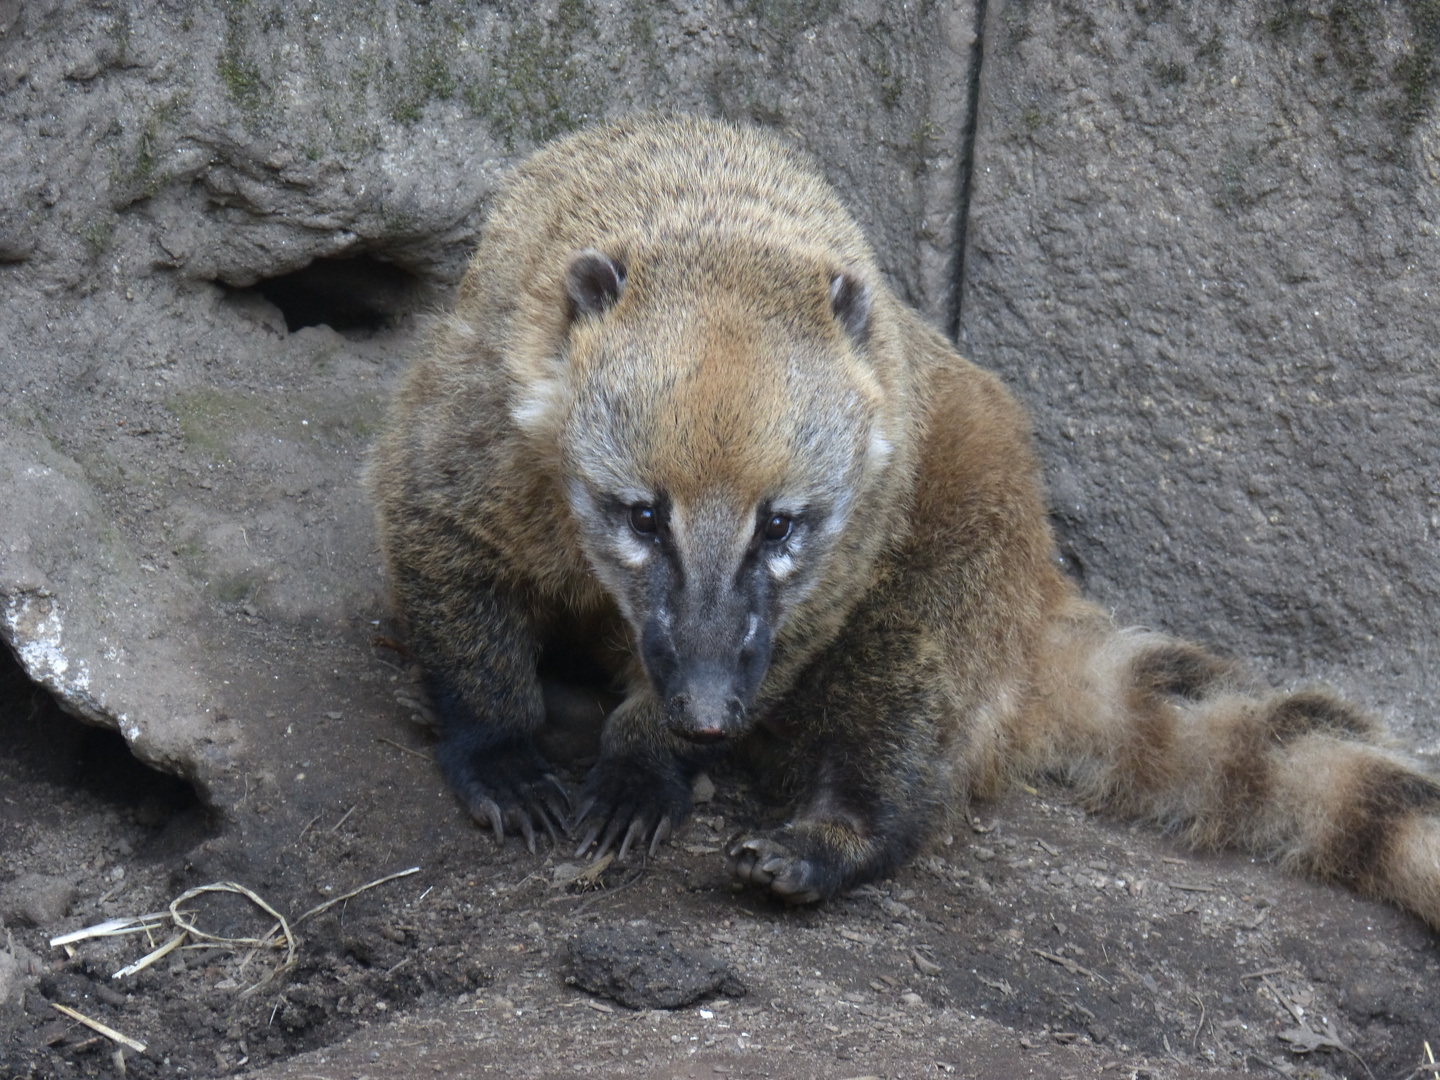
x=1042 y=942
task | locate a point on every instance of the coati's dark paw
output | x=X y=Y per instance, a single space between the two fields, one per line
x=509 y=787
x=789 y=864
x=627 y=800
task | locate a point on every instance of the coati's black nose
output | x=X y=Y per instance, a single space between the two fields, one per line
x=693 y=718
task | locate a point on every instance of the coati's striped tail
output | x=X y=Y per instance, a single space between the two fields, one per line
x=1151 y=727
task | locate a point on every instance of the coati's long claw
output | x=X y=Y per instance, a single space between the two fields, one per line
x=628 y=800
x=638 y=828
x=662 y=833
x=588 y=840
x=488 y=812
x=546 y=820
x=748 y=855
x=554 y=782
x=611 y=834
x=508 y=786
x=582 y=814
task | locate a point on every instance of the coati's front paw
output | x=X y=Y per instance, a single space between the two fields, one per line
x=507 y=786
x=795 y=865
x=629 y=799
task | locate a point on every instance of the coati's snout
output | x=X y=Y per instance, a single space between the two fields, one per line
x=706 y=671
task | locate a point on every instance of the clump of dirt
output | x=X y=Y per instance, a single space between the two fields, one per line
x=641 y=971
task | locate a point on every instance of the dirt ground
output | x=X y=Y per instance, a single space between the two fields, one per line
x=1043 y=942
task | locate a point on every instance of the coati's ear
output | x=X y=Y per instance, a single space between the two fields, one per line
x=593 y=283
x=850 y=303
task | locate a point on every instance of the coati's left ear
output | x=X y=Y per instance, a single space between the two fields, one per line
x=593 y=283
x=850 y=303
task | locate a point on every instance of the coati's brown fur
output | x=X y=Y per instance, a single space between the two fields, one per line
x=679 y=424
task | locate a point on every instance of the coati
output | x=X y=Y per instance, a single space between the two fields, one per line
x=678 y=422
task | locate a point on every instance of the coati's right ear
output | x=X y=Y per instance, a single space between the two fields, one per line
x=850 y=303
x=593 y=283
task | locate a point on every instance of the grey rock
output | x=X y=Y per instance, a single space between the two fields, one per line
x=36 y=899
x=1201 y=247
x=641 y=971
x=20 y=971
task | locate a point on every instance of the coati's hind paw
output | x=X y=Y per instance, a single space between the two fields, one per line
x=627 y=800
x=778 y=866
x=808 y=861
x=510 y=787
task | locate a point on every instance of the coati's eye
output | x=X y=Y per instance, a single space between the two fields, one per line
x=643 y=519
x=777 y=528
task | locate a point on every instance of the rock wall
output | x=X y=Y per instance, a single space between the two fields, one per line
x=1203 y=247
x=1200 y=242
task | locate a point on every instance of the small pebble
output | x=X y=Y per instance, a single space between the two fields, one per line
x=702 y=790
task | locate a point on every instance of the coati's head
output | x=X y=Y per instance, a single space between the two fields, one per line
x=717 y=421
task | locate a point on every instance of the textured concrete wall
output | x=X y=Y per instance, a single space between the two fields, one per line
x=1204 y=247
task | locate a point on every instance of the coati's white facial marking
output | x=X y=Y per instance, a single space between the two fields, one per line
x=782 y=566
x=614 y=547
x=879 y=450
x=582 y=505
x=782 y=563
x=632 y=550
x=533 y=409
x=752 y=631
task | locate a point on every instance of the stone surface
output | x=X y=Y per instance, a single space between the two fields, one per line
x=36 y=899
x=20 y=971
x=1204 y=247
x=641 y=971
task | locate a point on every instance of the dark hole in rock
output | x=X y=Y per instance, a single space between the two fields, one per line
x=359 y=293
x=41 y=744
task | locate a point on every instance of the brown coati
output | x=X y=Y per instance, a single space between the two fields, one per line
x=678 y=416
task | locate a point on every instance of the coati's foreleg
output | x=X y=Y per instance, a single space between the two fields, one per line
x=866 y=761
x=479 y=652
x=640 y=786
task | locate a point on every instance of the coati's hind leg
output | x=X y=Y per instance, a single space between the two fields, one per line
x=1155 y=728
x=866 y=761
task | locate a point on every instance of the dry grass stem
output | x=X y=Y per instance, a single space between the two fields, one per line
x=398 y=746
x=150 y=957
x=113 y=928
x=355 y=892
x=183 y=922
x=96 y=1025
x=344 y=817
